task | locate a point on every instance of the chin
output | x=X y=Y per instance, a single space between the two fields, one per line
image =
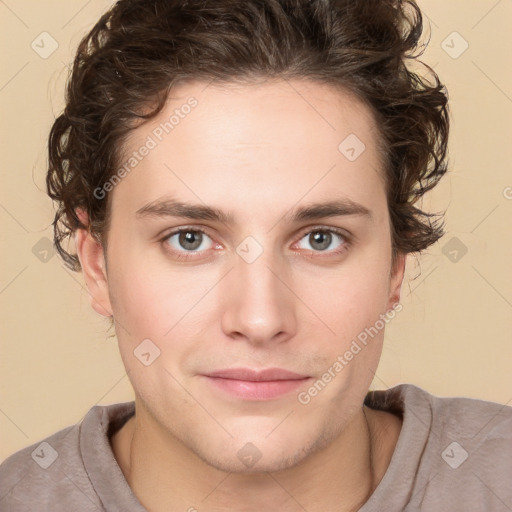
x=262 y=455
x=266 y=464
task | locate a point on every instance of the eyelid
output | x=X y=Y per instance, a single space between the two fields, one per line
x=320 y=227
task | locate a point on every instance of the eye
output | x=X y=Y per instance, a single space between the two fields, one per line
x=186 y=243
x=187 y=240
x=321 y=239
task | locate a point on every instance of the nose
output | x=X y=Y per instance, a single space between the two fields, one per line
x=260 y=306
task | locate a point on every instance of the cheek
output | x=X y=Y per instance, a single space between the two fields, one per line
x=149 y=309
x=357 y=297
x=138 y=301
x=166 y=306
x=351 y=298
x=351 y=355
x=148 y=295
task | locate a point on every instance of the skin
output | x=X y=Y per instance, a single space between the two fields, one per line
x=256 y=151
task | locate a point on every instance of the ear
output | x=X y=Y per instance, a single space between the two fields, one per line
x=396 y=278
x=92 y=259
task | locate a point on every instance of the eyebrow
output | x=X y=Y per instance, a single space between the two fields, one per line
x=173 y=208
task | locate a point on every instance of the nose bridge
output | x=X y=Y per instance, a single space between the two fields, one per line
x=258 y=301
x=257 y=269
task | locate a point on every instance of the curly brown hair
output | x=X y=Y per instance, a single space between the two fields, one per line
x=125 y=66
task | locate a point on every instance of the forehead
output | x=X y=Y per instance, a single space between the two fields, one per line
x=295 y=110
x=280 y=139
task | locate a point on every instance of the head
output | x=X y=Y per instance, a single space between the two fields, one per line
x=290 y=143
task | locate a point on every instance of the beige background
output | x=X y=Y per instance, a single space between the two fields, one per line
x=454 y=335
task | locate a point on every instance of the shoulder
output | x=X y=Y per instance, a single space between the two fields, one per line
x=467 y=419
x=36 y=474
x=467 y=456
x=52 y=474
x=462 y=417
x=469 y=422
x=453 y=453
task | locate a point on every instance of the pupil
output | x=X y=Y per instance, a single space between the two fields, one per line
x=187 y=238
x=318 y=236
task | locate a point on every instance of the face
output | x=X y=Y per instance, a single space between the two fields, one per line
x=238 y=320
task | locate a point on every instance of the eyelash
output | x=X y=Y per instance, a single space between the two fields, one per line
x=189 y=255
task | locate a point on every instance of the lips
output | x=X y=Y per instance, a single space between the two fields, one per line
x=249 y=384
x=248 y=374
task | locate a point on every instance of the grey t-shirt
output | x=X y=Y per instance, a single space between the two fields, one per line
x=453 y=454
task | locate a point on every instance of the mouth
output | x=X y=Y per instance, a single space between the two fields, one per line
x=249 y=384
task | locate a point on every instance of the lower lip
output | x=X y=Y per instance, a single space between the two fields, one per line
x=260 y=390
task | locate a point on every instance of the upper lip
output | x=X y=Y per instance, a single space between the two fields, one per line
x=249 y=374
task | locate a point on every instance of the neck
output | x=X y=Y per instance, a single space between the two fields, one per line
x=165 y=475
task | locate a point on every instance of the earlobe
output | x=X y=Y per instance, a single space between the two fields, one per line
x=92 y=260
x=395 y=283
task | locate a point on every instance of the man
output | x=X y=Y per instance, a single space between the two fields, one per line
x=240 y=180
